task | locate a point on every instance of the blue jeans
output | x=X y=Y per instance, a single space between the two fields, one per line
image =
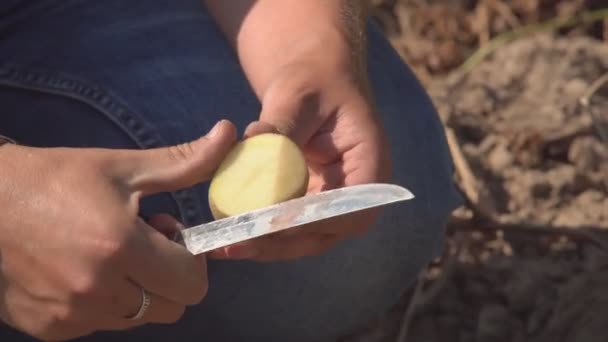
x=142 y=74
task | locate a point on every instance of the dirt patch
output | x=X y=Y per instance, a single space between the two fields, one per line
x=534 y=267
x=525 y=134
x=437 y=36
x=539 y=155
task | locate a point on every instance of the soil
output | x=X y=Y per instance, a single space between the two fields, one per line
x=521 y=127
x=527 y=258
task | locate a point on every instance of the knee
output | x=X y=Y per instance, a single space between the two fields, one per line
x=419 y=150
x=422 y=163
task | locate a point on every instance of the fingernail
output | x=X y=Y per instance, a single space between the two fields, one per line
x=240 y=252
x=215 y=129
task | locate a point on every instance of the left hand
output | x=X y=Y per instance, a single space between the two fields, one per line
x=326 y=111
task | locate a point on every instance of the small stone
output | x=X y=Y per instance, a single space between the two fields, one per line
x=582 y=182
x=589 y=207
x=575 y=88
x=562 y=178
x=587 y=154
x=449 y=54
x=500 y=158
x=569 y=217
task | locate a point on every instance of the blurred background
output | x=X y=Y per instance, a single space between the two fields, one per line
x=522 y=89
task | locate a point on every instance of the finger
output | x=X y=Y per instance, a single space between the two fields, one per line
x=124 y=300
x=169 y=226
x=297 y=117
x=259 y=127
x=266 y=249
x=166 y=268
x=349 y=225
x=159 y=310
x=344 y=226
x=65 y=332
x=166 y=225
x=174 y=167
x=38 y=318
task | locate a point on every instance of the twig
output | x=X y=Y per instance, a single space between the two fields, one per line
x=550 y=25
x=438 y=285
x=422 y=298
x=585 y=102
x=568 y=133
x=411 y=309
x=462 y=166
x=482 y=14
x=481 y=206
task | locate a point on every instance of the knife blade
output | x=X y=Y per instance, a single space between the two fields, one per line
x=289 y=214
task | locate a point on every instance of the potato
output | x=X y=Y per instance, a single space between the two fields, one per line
x=259 y=171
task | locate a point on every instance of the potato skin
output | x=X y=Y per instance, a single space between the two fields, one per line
x=217 y=213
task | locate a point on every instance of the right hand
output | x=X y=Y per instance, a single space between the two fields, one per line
x=74 y=254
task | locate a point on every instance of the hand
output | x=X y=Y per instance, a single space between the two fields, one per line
x=74 y=252
x=326 y=111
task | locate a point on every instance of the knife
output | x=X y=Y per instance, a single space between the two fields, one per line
x=289 y=214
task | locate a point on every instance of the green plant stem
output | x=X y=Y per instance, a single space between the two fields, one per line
x=524 y=31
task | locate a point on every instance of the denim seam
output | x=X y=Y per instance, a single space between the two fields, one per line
x=134 y=126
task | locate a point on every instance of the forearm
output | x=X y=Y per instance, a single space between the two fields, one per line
x=269 y=34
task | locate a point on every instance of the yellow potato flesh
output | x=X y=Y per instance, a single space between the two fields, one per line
x=260 y=171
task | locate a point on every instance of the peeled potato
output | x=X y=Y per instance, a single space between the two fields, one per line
x=260 y=171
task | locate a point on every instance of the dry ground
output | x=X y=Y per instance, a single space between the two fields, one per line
x=527 y=258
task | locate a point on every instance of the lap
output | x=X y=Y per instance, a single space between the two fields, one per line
x=153 y=76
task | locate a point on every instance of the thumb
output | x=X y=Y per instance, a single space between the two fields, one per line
x=176 y=167
x=259 y=127
x=298 y=116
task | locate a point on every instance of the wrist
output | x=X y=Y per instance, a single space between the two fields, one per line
x=320 y=53
x=272 y=34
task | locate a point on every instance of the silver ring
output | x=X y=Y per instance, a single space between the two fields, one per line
x=145 y=303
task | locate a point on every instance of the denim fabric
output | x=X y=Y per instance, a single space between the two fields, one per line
x=142 y=74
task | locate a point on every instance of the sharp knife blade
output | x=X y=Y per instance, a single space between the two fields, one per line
x=289 y=214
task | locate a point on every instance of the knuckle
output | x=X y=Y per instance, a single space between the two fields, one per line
x=181 y=152
x=83 y=286
x=110 y=249
x=112 y=243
